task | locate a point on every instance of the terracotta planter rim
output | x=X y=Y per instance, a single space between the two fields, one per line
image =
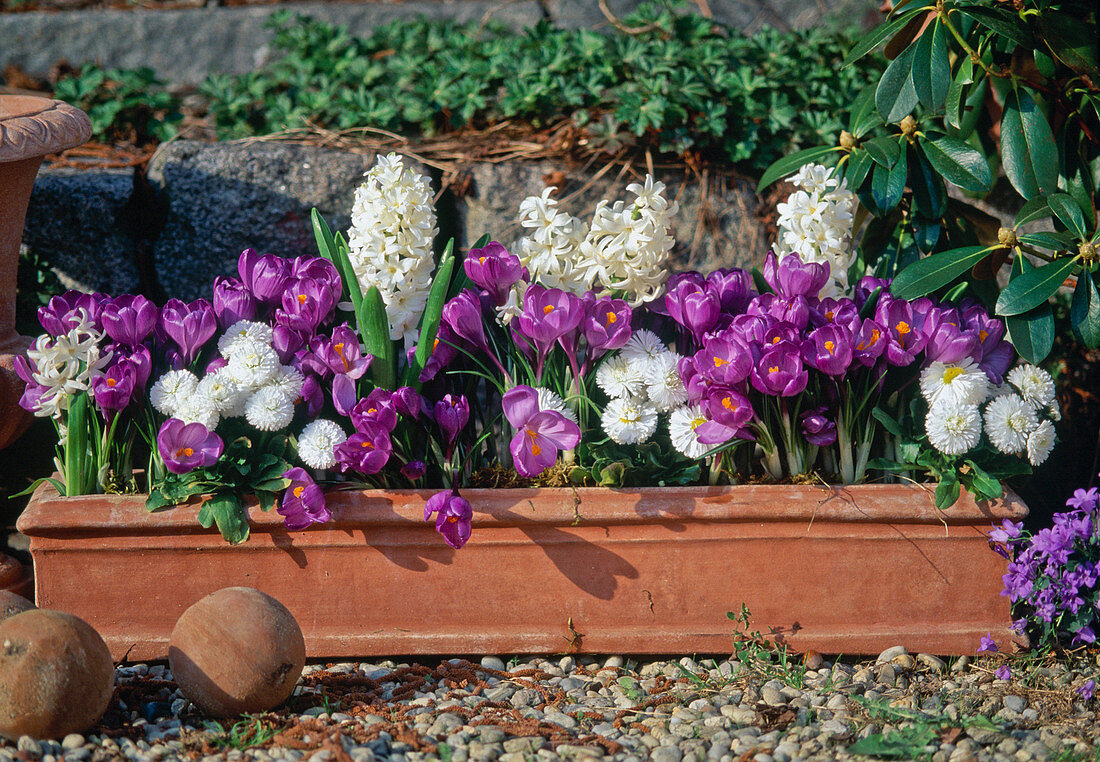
x=51 y=514
x=31 y=127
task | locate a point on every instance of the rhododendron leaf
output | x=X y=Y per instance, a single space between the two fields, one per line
x=930 y=273
x=1084 y=312
x=1034 y=287
x=1031 y=333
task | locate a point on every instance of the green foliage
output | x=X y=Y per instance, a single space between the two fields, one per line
x=243 y=734
x=650 y=464
x=916 y=730
x=688 y=85
x=760 y=655
x=986 y=86
x=36 y=283
x=124 y=105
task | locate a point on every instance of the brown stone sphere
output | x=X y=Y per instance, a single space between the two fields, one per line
x=237 y=651
x=12 y=604
x=56 y=675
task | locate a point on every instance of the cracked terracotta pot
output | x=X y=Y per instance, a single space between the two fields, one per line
x=643 y=571
x=30 y=128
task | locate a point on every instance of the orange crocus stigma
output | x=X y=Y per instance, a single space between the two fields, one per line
x=185 y=451
x=339 y=348
x=111 y=382
x=776 y=340
x=773 y=369
x=302 y=298
x=830 y=347
x=368 y=445
x=983 y=335
x=298 y=491
x=454 y=519
x=611 y=317
x=547 y=309
x=903 y=329
x=719 y=362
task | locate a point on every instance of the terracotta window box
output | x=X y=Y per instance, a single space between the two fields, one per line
x=643 y=571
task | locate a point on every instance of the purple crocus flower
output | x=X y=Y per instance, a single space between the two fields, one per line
x=306 y=303
x=947 y=341
x=303 y=502
x=462 y=315
x=829 y=350
x=288 y=342
x=451 y=414
x=61 y=313
x=313 y=394
x=732 y=286
x=494 y=269
x=549 y=314
x=724 y=361
x=842 y=312
x=728 y=413
x=377 y=408
x=114 y=389
x=749 y=328
x=794 y=309
x=454 y=517
x=442 y=354
x=128 y=319
x=540 y=434
x=606 y=324
x=779 y=371
x=903 y=329
x=339 y=355
x=694 y=307
x=1003 y=672
x=987 y=645
x=318 y=269
x=869 y=343
x=867 y=286
x=407 y=401
x=414 y=470
x=187 y=446
x=789 y=277
x=996 y=354
x=366 y=451
x=817 y=427
x=189 y=326
x=264 y=275
x=232 y=301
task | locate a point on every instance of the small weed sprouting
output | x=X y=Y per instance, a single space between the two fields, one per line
x=630 y=688
x=763 y=656
x=243 y=734
x=917 y=730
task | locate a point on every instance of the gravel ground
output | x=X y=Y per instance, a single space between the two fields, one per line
x=754 y=706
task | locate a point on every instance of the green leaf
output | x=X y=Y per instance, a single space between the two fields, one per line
x=1070 y=41
x=1084 y=311
x=266 y=498
x=929 y=192
x=1045 y=239
x=931 y=68
x=953 y=104
x=1028 y=153
x=77 y=480
x=859 y=164
x=885 y=150
x=1032 y=333
x=1068 y=211
x=958 y=163
x=1004 y=23
x=326 y=245
x=896 y=96
x=1035 y=286
x=879 y=35
x=906 y=743
x=157 y=500
x=433 y=310
x=947 y=492
x=888 y=185
x=1036 y=209
x=790 y=164
x=864 y=117
x=887 y=421
x=375 y=328
x=930 y=273
x=225 y=510
x=277 y=484
x=982 y=483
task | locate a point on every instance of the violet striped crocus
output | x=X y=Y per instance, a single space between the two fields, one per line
x=128 y=319
x=728 y=413
x=732 y=286
x=318 y=269
x=817 y=427
x=606 y=324
x=548 y=315
x=694 y=307
x=303 y=502
x=115 y=388
x=306 y=303
x=453 y=517
x=462 y=315
x=540 y=434
x=790 y=277
x=264 y=275
x=340 y=356
x=187 y=446
x=779 y=371
x=366 y=451
x=376 y=408
x=829 y=350
x=232 y=301
x=725 y=361
x=451 y=414
x=494 y=269
x=188 y=326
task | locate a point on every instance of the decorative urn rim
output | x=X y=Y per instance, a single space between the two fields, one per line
x=31 y=126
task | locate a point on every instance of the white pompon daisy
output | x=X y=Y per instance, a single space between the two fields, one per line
x=664 y=385
x=643 y=345
x=953 y=428
x=171 y=389
x=289 y=380
x=268 y=409
x=1040 y=442
x=1035 y=385
x=619 y=377
x=549 y=400
x=318 y=441
x=963 y=382
x=198 y=408
x=253 y=365
x=629 y=421
x=220 y=389
x=1008 y=422
x=241 y=334
x=682 y=428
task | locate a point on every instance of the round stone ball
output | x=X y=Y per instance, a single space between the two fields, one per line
x=236 y=651
x=12 y=604
x=56 y=675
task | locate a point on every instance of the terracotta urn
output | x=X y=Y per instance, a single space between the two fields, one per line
x=30 y=128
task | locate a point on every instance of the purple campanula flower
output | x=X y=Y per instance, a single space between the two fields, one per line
x=817 y=427
x=413 y=470
x=128 y=319
x=987 y=645
x=340 y=356
x=462 y=315
x=1084 y=500
x=903 y=331
x=189 y=326
x=540 y=434
x=606 y=323
x=1008 y=531
x=366 y=451
x=829 y=350
x=549 y=314
x=869 y=343
x=407 y=401
x=306 y=303
x=454 y=517
x=732 y=286
x=694 y=307
x=779 y=371
x=318 y=269
x=303 y=502
x=451 y=414
x=789 y=277
x=1084 y=635
x=1085 y=691
x=115 y=388
x=187 y=446
x=724 y=361
x=265 y=276
x=232 y=301
x=376 y=408
x=1003 y=672
x=494 y=269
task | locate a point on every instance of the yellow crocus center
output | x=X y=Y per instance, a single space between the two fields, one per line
x=111 y=382
x=533 y=435
x=611 y=317
x=983 y=335
x=185 y=451
x=719 y=362
x=773 y=369
x=339 y=348
x=547 y=309
x=951 y=374
x=302 y=298
x=454 y=519
x=903 y=329
x=727 y=403
x=367 y=445
x=298 y=491
x=776 y=339
x=481 y=260
x=830 y=347
x=435 y=344
x=829 y=315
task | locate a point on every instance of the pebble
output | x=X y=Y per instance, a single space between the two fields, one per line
x=493 y=662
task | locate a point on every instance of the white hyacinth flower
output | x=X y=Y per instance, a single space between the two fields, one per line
x=393 y=226
x=252 y=365
x=242 y=334
x=268 y=409
x=66 y=365
x=962 y=382
x=171 y=390
x=1035 y=385
x=1008 y=423
x=552 y=243
x=1040 y=442
x=629 y=421
x=318 y=442
x=619 y=377
x=551 y=400
x=953 y=428
x=815 y=222
x=683 y=426
x=664 y=386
